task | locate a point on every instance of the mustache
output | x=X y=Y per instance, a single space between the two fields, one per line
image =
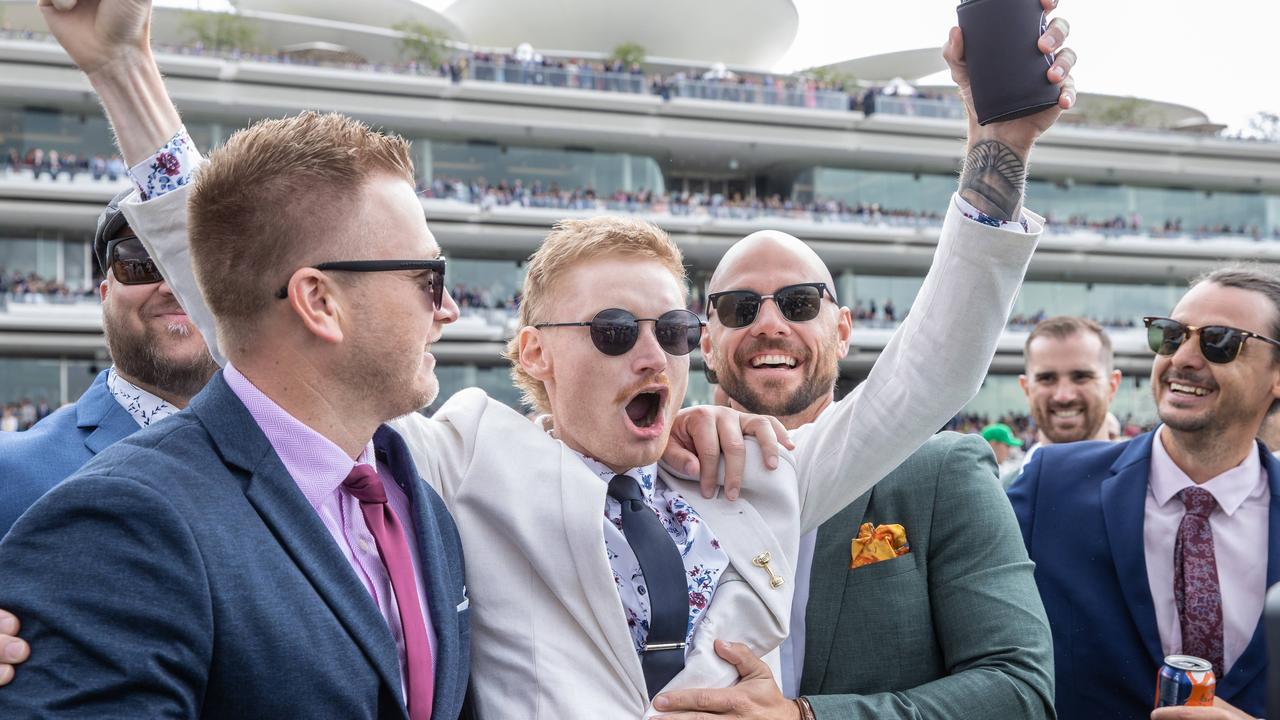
x=635 y=388
x=742 y=356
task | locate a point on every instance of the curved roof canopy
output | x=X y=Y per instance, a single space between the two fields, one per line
x=745 y=33
x=375 y=13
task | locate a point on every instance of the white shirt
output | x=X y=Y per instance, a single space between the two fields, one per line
x=1240 y=525
x=144 y=407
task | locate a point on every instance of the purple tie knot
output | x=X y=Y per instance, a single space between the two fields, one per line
x=363 y=483
x=1198 y=501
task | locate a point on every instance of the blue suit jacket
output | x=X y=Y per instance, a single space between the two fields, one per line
x=1081 y=507
x=181 y=573
x=33 y=461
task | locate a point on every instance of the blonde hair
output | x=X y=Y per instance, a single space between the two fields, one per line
x=572 y=242
x=272 y=200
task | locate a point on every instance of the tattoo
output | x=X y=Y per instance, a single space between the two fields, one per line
x=993 y=180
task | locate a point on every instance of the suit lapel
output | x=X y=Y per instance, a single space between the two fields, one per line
x=743 y=534
x=591 y=594
x=296 y=526
x=98 y=412
x=1123 y=499
x=1254 y=658
x=438 y=570
x=827 y=581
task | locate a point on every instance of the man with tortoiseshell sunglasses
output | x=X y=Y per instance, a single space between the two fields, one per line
x=1136 y=544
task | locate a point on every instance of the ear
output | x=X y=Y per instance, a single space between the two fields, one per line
x=102 y=290
x=535 y=357
x=1022 y=383
x=708 y=354
x=317 y=303
x=844 y=331
x=1114 y=382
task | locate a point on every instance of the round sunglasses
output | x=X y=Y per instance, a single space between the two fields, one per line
x=1218 y=343
x=797 y=303
x=615 y=331
x=130 y=263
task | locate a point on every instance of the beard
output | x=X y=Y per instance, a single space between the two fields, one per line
x=141 y=357
x=387 y=379
x=1095 y=414
x=819 y=380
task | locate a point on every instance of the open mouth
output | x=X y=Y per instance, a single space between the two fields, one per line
x=1067 y=413
x=644 y=410
x=1185 y=389
x=774 y=361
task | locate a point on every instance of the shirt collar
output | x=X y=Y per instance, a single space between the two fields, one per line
x=1229 y=490
x=314 y=462
x=143 y=406
x=644 y=476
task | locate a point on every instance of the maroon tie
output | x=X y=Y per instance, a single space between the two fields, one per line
x=1195 y=580
x=365 y=485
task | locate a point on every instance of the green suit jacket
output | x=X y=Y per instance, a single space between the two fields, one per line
x=955 y=628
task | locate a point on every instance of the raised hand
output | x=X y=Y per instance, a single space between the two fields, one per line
x=995 y=169
x=97 y=33
x=110 y=41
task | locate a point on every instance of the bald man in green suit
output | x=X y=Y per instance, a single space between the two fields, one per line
x=953 y=627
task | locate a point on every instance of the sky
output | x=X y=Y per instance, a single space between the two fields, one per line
x=1214 y=55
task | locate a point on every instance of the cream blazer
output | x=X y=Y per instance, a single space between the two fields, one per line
x=550 y=638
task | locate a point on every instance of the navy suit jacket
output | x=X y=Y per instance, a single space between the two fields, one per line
x=33 y=461
x=181 y=573
x=1081 y=507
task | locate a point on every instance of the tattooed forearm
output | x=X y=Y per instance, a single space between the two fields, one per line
x=993 y=179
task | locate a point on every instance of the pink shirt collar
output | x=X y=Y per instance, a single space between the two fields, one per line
x=1230 y=489
x=315 y=463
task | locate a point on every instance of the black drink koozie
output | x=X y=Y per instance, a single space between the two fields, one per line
x=1007 y=71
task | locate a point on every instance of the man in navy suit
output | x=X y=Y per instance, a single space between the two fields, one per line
x=159 y=362
x=1166 y=544
x=271 y=551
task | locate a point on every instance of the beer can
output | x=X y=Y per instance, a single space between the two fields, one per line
x=1185 y=680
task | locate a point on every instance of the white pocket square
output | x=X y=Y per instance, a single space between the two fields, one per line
x=466 y=602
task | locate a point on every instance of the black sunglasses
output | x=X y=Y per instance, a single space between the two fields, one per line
x=797 y=303
x=130 y=263
x=1218 y=343
x=436 y=268
x=615 y=331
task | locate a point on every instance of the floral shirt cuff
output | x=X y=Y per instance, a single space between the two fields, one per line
x=169 y=169
x=973 y=213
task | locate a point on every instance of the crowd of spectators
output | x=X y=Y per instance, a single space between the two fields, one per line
x=23 y=414
x=30 y=287
x=1024 y=428
x=41 y=162
x=1172 y=227
x=736 y=205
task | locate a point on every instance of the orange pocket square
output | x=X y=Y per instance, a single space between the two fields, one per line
x=883 y=542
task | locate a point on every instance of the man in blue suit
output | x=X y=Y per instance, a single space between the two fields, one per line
x=159 y=362
x=271 y=551
x=1166 y=544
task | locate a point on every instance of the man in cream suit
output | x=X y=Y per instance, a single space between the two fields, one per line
x=556 y=621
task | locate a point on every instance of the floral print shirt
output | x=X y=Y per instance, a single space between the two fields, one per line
x=144 y=407
x=704 y=561
x=169 y=169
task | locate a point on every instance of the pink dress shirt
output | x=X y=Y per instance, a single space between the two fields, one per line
x=319 y=467
x=1240 y=525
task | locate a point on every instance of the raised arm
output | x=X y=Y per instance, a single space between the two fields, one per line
x=110 y=41
x=937 y=359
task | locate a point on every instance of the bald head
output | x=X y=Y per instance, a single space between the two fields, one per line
x=776 y=364
x=768 y=249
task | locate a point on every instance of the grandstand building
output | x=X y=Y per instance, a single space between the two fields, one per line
x=520 y=121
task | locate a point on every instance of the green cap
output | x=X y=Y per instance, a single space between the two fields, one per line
x=1001 y=433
